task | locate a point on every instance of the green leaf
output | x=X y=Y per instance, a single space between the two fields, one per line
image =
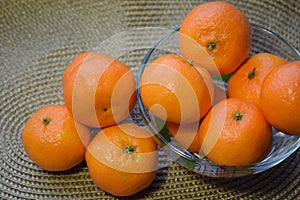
x=163 y=129
x=224 y=78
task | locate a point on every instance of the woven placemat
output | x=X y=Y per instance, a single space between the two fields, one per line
x=39 y=38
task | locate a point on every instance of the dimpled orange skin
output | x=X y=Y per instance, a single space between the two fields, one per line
x=185 y=92
x=116 y=171
x=280 y=98
x=228 y=141
x=98 y=89
x=59 y=145
x=246 y=82
x=222 y=24
x=69 y=77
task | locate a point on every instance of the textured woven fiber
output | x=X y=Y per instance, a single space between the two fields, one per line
x=39 y=38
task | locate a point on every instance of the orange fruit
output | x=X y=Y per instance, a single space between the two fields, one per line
x=280 y=98
x=174 y=89
x=246 y=82
x=53 y=140
x=234 y=133
x=186 y=134
x=98 y=89
x=122 y=159
x=216 y=35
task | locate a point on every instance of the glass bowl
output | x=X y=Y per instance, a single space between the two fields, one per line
x=283 y=146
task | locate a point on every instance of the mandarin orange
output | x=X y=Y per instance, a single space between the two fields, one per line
x=280 y=97
x=175 y=90
x=186 y=134
x=122 y=159
x=216 y=35
x=246 y=82
x=53 y=140
x=234 y=133
x=98 y=89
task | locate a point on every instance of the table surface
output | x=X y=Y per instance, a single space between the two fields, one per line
x=38 y=39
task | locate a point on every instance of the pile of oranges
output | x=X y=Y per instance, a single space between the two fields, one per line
x=99 y=92
x=232 y=127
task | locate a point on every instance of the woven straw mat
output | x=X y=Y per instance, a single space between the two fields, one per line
x=39 y=38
